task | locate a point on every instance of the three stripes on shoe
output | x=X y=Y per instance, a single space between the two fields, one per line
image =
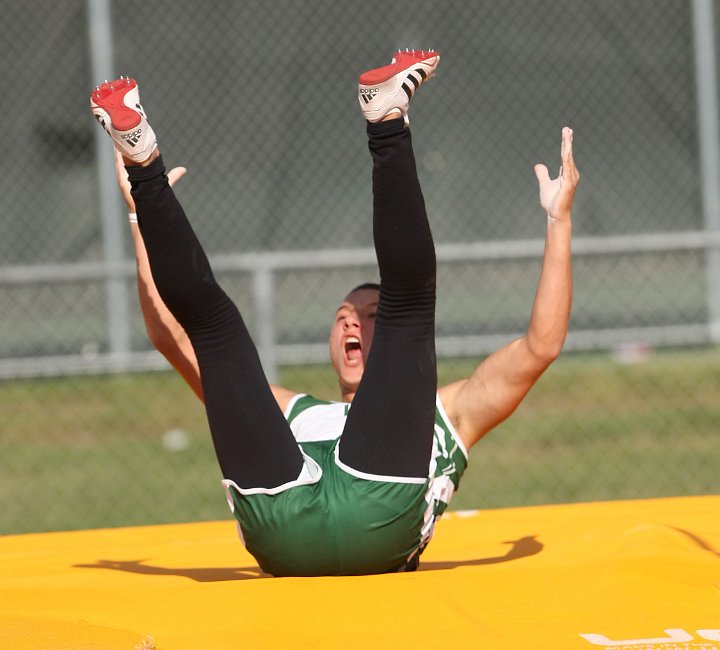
x=369 y=95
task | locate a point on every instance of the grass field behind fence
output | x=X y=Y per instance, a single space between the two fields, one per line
x=87 y=452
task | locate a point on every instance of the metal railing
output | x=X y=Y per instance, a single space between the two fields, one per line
x=262 y=268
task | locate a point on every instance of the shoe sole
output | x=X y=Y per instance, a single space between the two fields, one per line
x=427 y=65
x=122 y=120
x=110 y=98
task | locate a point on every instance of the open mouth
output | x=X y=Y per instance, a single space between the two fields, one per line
x=353 y=349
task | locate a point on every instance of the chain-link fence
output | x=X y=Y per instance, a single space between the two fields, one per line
x=258 y=101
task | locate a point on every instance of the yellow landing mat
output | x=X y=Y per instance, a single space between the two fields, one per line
x=638 y=575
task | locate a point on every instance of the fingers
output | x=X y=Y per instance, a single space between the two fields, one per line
x=542 y=174
x=175 y=174
x=568 y=170
x=565 y=142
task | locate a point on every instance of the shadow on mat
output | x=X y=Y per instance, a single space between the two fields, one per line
x=523 y=547
x=699 y=541
x=206 y=574
x=519 y=548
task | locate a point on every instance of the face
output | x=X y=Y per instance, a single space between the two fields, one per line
x=351 y=337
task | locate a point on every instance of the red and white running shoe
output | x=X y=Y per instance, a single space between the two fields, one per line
x=116 y=105
x=390 y=88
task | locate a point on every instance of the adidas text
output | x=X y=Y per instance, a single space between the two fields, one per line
x=368 y=94
x=132 y=138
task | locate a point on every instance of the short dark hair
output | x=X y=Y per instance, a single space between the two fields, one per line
x=365 y=285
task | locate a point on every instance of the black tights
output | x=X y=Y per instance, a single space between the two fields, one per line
x=390 y=425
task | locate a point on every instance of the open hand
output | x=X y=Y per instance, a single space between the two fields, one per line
x=557 y=194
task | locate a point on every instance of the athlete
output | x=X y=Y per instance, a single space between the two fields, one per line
x=354 y=486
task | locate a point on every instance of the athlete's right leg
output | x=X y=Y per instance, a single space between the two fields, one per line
x=389 y=430
x=253 y=442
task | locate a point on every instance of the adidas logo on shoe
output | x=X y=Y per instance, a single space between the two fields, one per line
x=132 y=138
x=390 y=88
x=116 y=106
x=368 y=94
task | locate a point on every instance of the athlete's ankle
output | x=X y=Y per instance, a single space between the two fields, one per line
x=131 y=163
x=392 y=115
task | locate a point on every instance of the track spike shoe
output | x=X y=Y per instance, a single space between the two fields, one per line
x=390 y=88
x=116 y=106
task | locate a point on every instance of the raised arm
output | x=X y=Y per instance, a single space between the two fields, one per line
x=498 y=385
x=165 y=333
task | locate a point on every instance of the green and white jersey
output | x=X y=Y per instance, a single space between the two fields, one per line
x=313 y=420
x=336 y=520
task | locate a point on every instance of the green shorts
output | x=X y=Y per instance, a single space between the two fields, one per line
x=333 y=520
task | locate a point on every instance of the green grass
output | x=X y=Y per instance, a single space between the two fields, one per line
x=87 y=452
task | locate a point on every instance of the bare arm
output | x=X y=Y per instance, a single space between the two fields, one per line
x=165 y=333
x=498 y=385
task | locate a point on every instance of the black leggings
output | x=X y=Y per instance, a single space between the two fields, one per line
x=389 y=428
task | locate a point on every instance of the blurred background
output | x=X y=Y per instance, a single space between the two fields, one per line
x=258 y=100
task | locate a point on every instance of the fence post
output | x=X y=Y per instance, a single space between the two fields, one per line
x=709 y=141
x=263 y=283
x=111 y=216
